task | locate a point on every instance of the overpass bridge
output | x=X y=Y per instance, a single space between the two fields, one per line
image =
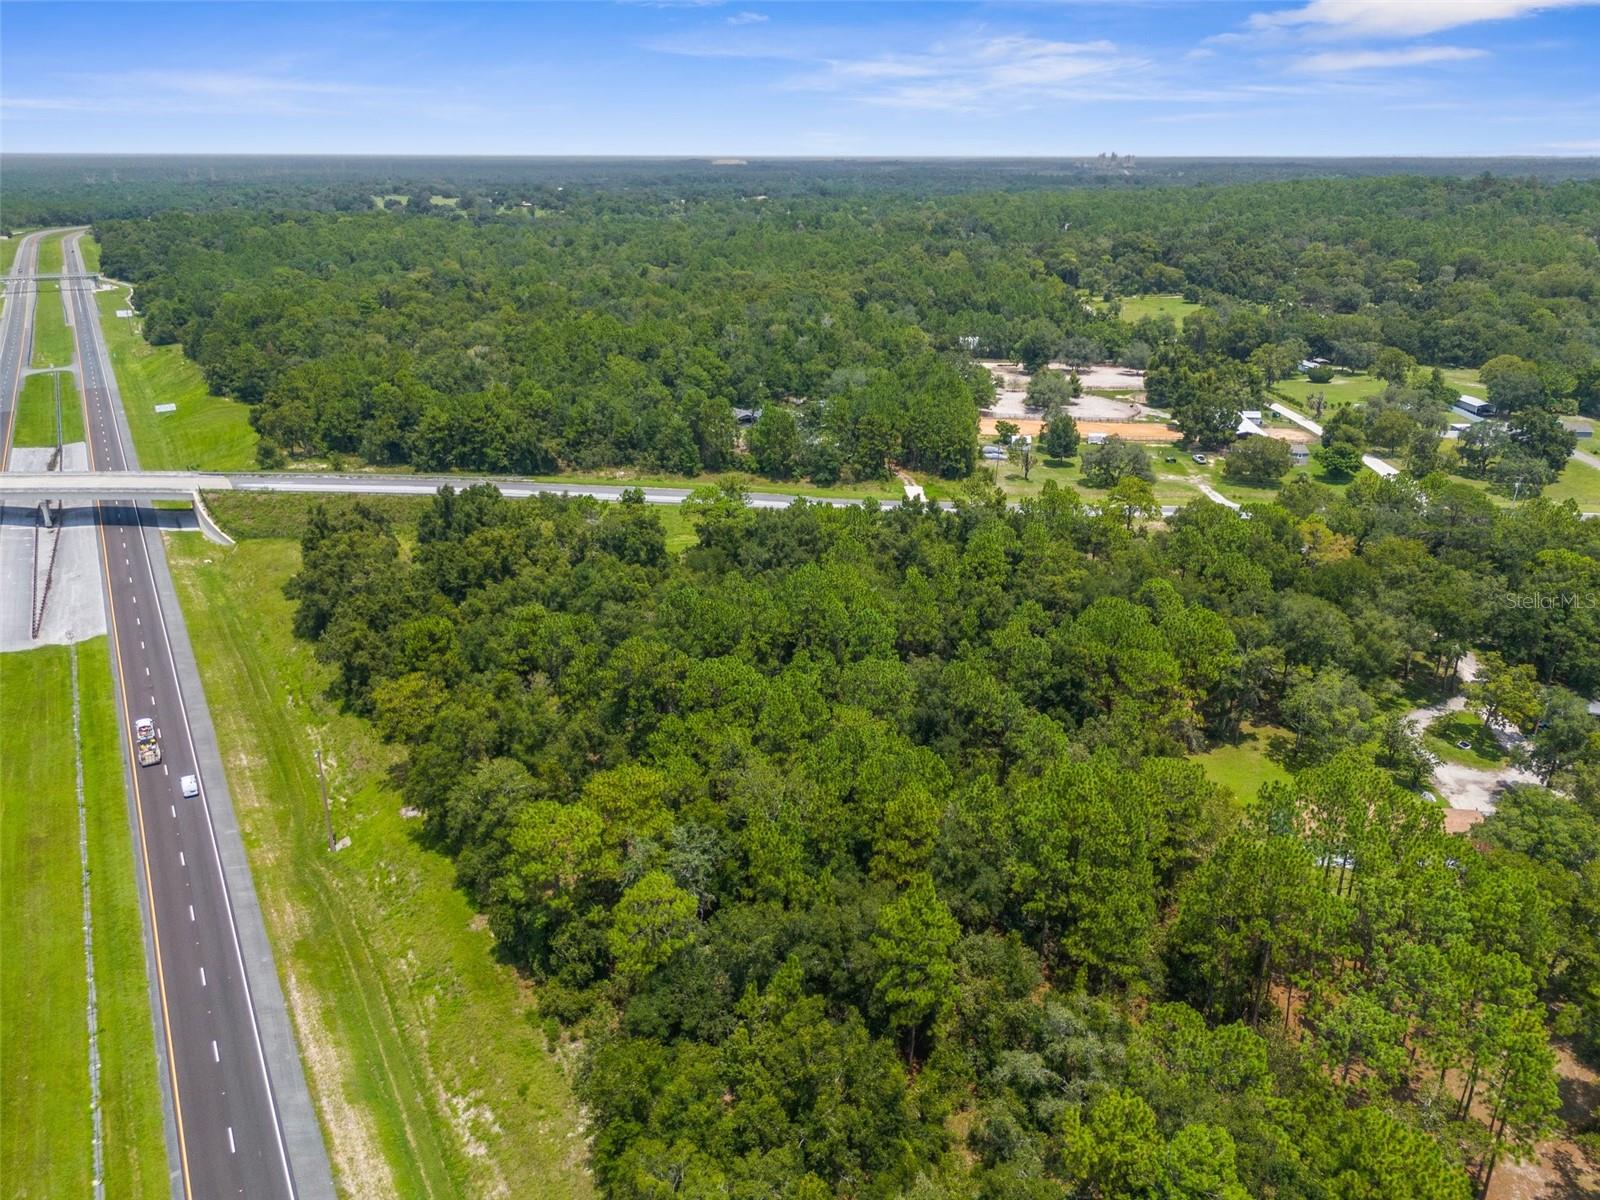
x=8 y=281
x=32 y=487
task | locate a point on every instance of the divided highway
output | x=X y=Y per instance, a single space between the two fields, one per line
x=243 y=1120
x=16 y=337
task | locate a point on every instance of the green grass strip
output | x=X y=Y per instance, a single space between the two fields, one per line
x=45 y=1128
x=52 y=338
x=45 y=1146
x=89 y=251
x=418 y=1044
x=36 y=411
x=51 y=255
x=205 y=433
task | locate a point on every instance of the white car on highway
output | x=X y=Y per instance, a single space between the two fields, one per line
x=190 y=785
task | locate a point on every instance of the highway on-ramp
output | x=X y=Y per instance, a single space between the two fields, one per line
x=243 y=1116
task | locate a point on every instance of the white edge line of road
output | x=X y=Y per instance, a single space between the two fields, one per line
x=103 y=363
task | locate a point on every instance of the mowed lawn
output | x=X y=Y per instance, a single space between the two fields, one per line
x=89 y=251
x=52 y=337
x=1243 y=766
x=36 y=411
x=1341 y=390
x=50 y=255
x=1578 y=481
x=430 y=1073
x=1137 y=308
x=46 y=1146
x=205 y=433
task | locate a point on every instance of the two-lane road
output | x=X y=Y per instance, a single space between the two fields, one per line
x=244 y=1125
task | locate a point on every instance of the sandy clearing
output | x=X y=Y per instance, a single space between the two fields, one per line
x=1132 y=431
x=1105 y=375
x=1559 y=1171
x=1296 y=435
x=1104 y=408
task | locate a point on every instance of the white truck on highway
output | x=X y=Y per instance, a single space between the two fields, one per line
x=147 y=748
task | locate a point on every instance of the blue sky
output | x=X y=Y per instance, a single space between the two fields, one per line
x=1438 y=77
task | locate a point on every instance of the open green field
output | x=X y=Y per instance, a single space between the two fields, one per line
x=50 y=255
x=1578 y=481
x=36 y=411
x=46 y=1144
x=1341 y=390
x=206 y=433
x=52 y=338
x=1137 y=308
x=1243 y=767
x=1465 y=379
x=429 y=1070
x=89 y=251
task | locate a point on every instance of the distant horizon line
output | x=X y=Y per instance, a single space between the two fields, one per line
x=738 y=159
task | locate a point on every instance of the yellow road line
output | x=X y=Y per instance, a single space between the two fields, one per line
x=138 y=795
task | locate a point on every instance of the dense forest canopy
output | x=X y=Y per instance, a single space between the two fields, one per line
x=42 y=189
x=867 y=854
x=598 y=328
x=871 y=853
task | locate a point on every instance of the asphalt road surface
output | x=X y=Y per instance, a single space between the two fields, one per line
x=16 y=338
x=244 y=1124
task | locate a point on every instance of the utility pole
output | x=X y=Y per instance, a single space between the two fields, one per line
x=322 y=782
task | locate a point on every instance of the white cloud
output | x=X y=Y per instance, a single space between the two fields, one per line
x=973 y=74
x=1400 y=18
x=747 y=18
x=1587 y=146
x=218 y=92
x=1370 y=60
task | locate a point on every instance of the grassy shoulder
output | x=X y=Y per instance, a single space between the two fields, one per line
x=89 y=251
x=204 y=433
x=429 y=1072
x=52 y=337
x=8 y=250
x=46 y=1146
x=36 y=411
